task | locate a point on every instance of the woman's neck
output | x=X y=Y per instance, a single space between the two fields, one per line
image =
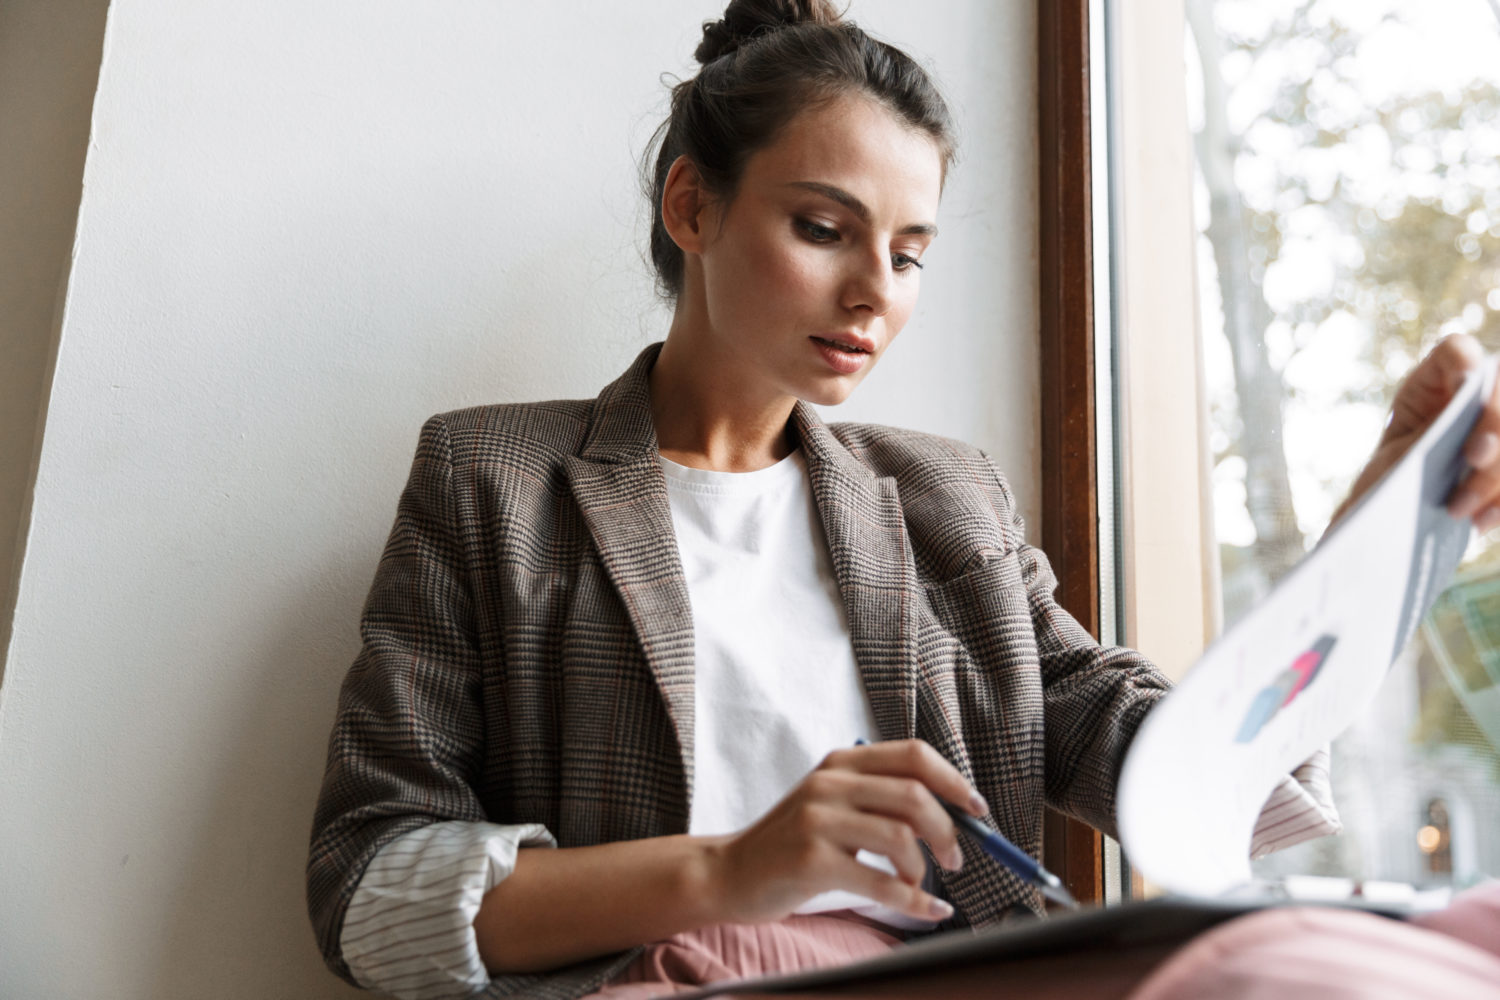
x=706 y=417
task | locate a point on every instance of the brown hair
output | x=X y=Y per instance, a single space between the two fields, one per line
x=762 y=62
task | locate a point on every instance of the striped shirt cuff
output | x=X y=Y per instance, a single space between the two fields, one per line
x=1300 y=808
x=409 y=930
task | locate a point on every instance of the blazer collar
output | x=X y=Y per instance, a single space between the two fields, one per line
x=622 y=493
x=622 y=431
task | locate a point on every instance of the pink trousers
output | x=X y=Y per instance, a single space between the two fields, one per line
x=1289 y=953
x=1298 y=953
x=741 y=951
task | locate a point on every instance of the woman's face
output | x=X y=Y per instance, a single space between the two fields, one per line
x=821 y=246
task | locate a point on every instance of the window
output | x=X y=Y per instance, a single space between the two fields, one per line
x=1344 y=188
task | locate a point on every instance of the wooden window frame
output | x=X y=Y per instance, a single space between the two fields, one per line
x=1070 y=530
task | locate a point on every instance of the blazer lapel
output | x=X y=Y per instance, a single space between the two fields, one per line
x=619 y=487
x=873 y=564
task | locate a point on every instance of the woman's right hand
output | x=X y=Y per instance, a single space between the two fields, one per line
x=877 y=797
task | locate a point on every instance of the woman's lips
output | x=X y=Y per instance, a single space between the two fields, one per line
x=844 y=362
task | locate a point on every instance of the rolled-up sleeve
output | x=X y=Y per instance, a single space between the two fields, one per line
x=1300 y=808
x=409 y=930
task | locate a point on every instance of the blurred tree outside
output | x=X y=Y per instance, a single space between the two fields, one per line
x=1347 y=224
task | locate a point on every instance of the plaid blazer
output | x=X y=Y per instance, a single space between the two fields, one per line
x=528 y=647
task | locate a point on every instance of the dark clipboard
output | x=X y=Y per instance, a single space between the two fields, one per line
x=1148 y=923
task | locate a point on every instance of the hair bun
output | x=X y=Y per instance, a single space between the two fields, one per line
x=744 y=20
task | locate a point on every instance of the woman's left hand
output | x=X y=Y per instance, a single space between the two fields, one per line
x=1422 y=396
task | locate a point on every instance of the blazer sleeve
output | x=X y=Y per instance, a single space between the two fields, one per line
x=407 y=739
x=1094 y=697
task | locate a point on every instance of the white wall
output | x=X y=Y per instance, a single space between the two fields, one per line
x=305 y=228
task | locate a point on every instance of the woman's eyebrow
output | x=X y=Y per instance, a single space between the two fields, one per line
x=859 y=208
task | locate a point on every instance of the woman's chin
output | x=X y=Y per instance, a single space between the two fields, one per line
x=830 y=395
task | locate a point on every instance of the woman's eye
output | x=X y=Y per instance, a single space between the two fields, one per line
x=816 y=232
x=902 y=262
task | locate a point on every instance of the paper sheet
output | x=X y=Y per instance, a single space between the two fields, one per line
x=1294 y=672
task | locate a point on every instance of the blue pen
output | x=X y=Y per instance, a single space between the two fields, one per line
x=1012 y=857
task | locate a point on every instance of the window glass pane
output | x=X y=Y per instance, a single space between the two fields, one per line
x=1348 y=203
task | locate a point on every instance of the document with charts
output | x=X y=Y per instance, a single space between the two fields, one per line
x=1293 y=673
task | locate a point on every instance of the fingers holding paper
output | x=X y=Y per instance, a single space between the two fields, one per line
x=1478 y=496
x=1421 y=398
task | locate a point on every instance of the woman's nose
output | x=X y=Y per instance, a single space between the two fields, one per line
x=870 y=284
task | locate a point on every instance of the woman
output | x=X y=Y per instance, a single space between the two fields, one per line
x=618 y=650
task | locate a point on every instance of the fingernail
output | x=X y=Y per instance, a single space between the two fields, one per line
x=977 y=804
x=1485 y=449
x=940 y=909
x=1484 y=522
x=954 y=860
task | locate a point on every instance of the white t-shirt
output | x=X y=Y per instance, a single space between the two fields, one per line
x=776 y=687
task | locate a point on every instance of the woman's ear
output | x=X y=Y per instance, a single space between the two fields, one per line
x=685 y=206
